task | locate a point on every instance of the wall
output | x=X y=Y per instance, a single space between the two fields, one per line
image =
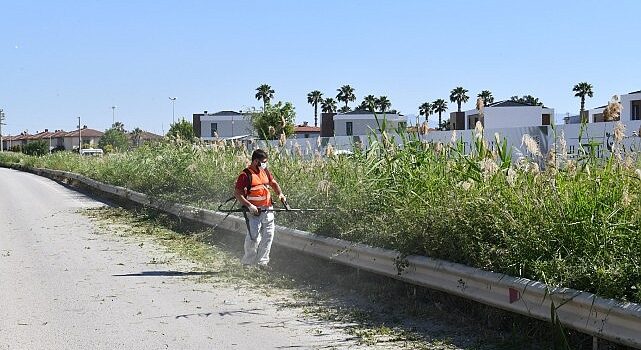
x=228 y=126
x=363 y=124
x=626 y=100
x=512 y=117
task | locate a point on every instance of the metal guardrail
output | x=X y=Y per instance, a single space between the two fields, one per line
x=616 y=321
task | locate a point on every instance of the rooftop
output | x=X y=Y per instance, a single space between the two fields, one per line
x=509 y=103
x=226 y=113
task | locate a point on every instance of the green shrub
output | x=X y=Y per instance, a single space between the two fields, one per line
x=36 y=148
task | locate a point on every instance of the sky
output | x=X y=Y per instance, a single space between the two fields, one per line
x=60 y=60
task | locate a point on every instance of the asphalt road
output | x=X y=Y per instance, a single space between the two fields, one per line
x=65 y=286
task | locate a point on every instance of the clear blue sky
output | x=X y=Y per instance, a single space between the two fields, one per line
x=63 y=59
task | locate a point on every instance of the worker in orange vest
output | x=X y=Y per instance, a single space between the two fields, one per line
x=252 y=191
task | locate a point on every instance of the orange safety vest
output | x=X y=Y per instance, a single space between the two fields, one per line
x=258 y=191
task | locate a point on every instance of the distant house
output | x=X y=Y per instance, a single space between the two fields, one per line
x=364 y=122
x=595 y=115
x=305 y=131
x=145 y=136
x=224 y=124
x=89 y=137
x=631 y=103
x=572 y=119
x=9 y=142
x=56 y=139
x=504 y=114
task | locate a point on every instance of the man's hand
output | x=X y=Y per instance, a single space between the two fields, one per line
x=252 y=209
x=282 y=198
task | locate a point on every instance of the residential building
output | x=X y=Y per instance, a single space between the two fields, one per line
x=504 y=114
x=595 y=115
x=305 y=131
x=223 y=124
x=572 y=119
x=361 y=122
x=631 y=104
x=90 y=137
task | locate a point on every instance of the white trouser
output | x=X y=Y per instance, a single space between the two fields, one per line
x=258 y=241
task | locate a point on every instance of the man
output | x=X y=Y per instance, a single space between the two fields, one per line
x=252 y=191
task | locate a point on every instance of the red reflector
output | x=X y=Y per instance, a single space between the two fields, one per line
x=515 y=295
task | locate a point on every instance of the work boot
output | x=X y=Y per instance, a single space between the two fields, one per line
x=265 y=267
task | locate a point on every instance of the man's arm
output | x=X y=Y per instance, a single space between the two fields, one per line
x=277 y=190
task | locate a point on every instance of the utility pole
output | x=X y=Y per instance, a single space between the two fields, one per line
x=1 y=124
x=173 y=109
x=113 y=115
x=79 y=137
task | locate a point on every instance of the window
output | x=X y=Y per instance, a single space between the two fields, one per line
x=214 y=129
x=636 y=110
x=545 y=119
x=349 y=128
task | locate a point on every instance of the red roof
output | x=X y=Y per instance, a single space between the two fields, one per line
x=306 y=129
x=86 y=132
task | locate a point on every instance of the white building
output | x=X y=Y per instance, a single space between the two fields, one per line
x=89 y=137
x=631 y=106
x=509 y=114
x=595 y=115
x=631 y=109
x=365 y=122
x=225 y=124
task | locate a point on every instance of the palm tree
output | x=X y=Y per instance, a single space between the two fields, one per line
x=439 y=106
x=426 y=110
x=459 y=96
x=314 y=98
x=118 y=126
x=486 y=96
x=383 y=104
x=265 y=93
x=136 y=134
x=328 y=105
x=583 y=89
x=345 y=94
x=368 y=104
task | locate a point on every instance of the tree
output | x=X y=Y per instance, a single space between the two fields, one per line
x=314 y=98
x=36 y=148
x=459 y=96
x=439 y=106
x=426 y=110
x=368 y=104
x=328 y=105
x=344 y=109
x=182 y=129
x=486 y=96
x=118 y=125
x=114 y=139
x=583 y=89
x=527 y=99
x=136 y=134
x=346 y=94
x=383 y=104
x=274 y=120
x=265 y=93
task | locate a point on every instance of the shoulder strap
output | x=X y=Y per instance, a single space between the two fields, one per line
x=249 y=179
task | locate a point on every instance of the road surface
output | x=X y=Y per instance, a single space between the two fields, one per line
x=64 y=286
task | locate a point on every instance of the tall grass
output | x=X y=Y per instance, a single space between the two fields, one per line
x=574 y=222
